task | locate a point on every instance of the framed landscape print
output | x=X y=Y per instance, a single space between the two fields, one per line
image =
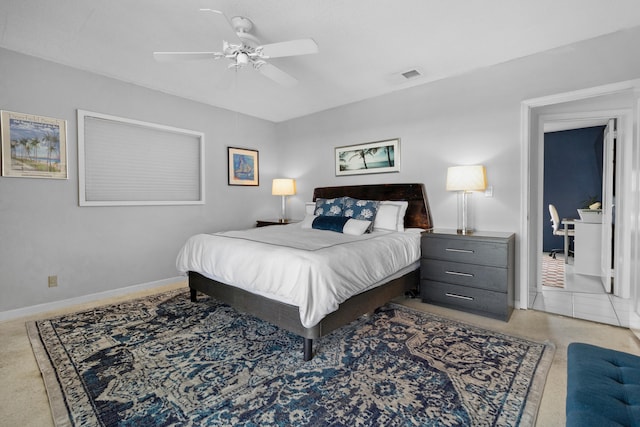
x=243 y=166
x=33 y=146
x=373 y=157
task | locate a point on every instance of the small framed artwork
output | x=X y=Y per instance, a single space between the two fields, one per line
x=243 y=166
x=33 y=146
x=372 y=157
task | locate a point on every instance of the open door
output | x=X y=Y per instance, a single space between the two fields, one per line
x=608 y=204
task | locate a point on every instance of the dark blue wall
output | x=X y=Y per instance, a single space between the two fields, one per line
x=572 y=175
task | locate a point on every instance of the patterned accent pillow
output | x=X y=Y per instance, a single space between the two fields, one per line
x=330 y=207
x=360 y=209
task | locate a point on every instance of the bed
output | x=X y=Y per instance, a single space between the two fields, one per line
x=288 y=315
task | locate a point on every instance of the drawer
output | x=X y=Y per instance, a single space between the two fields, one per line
x=478 y=301
x=476 y=276
x=466 y=250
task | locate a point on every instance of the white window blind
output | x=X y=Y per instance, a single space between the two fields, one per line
x=128 y=162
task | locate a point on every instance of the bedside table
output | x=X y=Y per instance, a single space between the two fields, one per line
x=265 y=222
x=473 y=273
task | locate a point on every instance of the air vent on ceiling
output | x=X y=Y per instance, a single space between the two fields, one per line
x=411 y=74
x=406 y=76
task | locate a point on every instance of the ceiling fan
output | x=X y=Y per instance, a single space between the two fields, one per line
x=242 y=48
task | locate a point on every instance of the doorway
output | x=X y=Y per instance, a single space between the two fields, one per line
x=576 y=176
x=611 y=101
x=573 y=177
x=574 y=120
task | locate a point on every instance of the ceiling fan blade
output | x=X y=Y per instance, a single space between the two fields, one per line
x=221 y=23
x=185 y=56
x=277 y=75
x=290 y=48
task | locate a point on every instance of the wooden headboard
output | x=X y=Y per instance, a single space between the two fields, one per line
x=418 y=212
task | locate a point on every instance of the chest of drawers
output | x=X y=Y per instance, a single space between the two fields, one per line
x=473 y=273
x=266 y=222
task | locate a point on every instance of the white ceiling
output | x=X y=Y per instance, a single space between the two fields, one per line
x=363 y=44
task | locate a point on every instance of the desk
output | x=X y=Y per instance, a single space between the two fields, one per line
x=566 y=222
x=587 y=248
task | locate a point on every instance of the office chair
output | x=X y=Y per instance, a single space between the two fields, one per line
x=565 y=232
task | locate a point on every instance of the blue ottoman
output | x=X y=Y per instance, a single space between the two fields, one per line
x=603 y=387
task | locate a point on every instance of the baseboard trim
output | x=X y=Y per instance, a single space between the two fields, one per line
x=57 y=305
x=634 y=324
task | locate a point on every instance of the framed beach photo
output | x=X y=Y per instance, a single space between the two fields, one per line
x=33 y=146
x=373 y=157
x=243 y=166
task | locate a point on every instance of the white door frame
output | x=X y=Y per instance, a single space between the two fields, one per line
x=623 y=162
x=531 y=132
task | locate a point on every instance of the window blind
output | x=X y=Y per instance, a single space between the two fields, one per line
x=129 y=162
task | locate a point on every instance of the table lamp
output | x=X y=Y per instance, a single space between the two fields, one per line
x=465 y=180
x=283 y=187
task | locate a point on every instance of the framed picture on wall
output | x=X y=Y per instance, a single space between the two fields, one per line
x=372 y=157
x=243 y=166
x=33 y=146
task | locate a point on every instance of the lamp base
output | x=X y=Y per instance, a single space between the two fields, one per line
x=283 y=216
x=465 y=213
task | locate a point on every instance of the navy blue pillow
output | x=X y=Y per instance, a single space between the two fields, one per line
x=331 y=223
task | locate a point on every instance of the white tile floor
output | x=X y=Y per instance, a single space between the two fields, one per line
x=583 y=297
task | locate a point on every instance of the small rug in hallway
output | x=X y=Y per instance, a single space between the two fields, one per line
x=163 y=360
x=552 y=271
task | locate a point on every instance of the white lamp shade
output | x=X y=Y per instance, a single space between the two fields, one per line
x=283 y=187
x=466 y=178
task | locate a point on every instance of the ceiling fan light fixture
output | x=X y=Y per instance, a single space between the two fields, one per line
x=242 y=59
x=258 y=63
x=242 y=48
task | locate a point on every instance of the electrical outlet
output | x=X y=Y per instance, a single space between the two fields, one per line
x=489 y=191
x=53 y=281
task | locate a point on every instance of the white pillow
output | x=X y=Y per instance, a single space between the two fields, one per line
x=392 y=217
x=386 y=217
x=307 y=222
x=310 y=207
x=356 y=227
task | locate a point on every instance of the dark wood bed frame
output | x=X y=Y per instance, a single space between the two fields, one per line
x=287 y=316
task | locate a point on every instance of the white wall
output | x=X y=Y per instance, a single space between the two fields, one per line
x=434 y=135
x=472 y=118
x=44 y=232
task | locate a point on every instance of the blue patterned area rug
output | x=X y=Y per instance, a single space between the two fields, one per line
x=165 y=361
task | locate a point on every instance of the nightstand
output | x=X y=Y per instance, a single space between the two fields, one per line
x=473 y=273
x=265 y=222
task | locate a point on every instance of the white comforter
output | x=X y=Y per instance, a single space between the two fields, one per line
x=313 y=269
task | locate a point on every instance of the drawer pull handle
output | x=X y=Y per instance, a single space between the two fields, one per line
x=464 y=251
x=459 y=296
x=457 y=273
